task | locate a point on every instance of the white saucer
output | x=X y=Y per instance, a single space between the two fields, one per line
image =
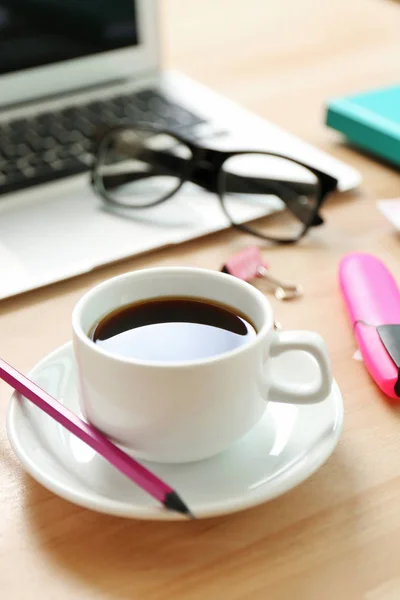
x=288 y=445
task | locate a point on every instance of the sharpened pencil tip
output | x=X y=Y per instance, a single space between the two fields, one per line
x=173 y=502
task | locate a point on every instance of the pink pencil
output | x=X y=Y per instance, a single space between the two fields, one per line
x=93 y=438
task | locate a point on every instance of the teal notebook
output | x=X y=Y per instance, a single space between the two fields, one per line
x=370 y=121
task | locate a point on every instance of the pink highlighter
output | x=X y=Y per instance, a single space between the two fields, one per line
x=373 y=302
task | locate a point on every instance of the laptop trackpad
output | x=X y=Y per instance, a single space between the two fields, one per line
x=61 y=230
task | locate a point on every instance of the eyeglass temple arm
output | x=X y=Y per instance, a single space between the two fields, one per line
x=203 y=176
x=111 y=181
x=114 y=180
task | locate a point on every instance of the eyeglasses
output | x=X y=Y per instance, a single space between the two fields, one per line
x=273 y=197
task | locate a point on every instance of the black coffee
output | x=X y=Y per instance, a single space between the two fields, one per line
x=172 y=330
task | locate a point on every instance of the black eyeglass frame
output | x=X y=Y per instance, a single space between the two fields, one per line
x=204 y=168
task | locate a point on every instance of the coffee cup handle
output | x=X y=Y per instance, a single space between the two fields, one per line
x=310 y=342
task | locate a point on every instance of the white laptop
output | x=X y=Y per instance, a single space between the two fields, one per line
x=65 y=64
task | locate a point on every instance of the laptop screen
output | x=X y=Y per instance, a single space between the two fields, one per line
x=34 y=33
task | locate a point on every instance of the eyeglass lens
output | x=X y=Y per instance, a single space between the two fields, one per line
x=274 y=196
x=138 y=168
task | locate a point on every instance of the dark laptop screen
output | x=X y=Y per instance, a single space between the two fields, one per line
x=41 y=32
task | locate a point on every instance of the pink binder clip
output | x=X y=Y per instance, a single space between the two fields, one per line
x=249 y=264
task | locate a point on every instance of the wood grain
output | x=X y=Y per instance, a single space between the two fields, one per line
x=338 y=534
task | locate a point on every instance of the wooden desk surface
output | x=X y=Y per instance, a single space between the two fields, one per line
x=338 y=534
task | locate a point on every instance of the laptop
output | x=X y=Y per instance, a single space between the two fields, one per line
x=65 y=66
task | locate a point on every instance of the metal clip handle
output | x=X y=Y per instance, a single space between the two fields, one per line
x=282 y=290
x=249 y=263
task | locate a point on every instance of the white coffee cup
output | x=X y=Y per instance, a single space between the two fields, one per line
x=179 y=412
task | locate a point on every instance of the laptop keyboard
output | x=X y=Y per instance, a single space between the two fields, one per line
x=55 y=145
